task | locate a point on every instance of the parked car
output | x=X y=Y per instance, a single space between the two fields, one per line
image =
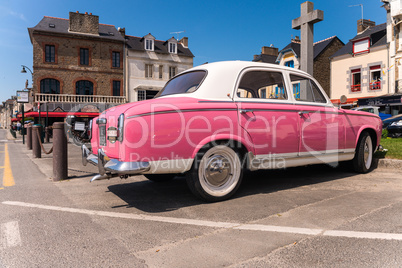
x=393 y=125
x=216 y=120
x=373 y=110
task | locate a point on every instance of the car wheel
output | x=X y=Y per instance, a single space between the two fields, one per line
x=216 y=173
x=363 y=160
x=160 y=177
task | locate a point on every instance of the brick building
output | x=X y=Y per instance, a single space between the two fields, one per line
x=76 y=60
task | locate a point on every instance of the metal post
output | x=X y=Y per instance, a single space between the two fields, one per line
x=47 y=116
x=60 y=163
x=23 y=124
x=47 y=134
x=36 y=149
x=29 y=137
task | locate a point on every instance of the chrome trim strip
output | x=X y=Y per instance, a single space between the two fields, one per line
x=177 y=111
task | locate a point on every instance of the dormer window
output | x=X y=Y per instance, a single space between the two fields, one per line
x=172 y=48
x=172 y=45
x=361 y=46
x=149 y=42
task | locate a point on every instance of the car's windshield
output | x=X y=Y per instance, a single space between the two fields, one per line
x=185 y=83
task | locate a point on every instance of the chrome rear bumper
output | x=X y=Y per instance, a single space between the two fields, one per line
x=112 y=167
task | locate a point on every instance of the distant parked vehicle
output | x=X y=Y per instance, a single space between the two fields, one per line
x=373 y=110
x=393 y=125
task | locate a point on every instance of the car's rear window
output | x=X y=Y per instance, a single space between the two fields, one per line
x=185 y=83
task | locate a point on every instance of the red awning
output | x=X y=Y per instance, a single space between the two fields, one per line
x=58 y=114
x=349 y=101
x=15 y=119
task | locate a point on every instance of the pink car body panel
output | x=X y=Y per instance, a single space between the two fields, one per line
x=177 y=127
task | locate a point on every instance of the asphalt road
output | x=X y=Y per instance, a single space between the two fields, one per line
x=313 y=216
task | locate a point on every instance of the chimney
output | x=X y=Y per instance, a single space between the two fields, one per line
x=296 y=39
x=362 y=25
x=83 y=23
x=122 y=31
x=273 y=51
x=184 y=42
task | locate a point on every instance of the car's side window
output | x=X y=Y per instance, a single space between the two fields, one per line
x=262 y=85
x=304 y=89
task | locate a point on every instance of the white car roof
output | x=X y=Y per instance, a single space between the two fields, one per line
x=222 y=77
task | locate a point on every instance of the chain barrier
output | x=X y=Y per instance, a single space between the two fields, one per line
x=40 y=142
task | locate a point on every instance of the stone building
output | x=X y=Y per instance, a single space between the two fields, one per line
x=76 y=60
x=151 y=63
x=290 y=56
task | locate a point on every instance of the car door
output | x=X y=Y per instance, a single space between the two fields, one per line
x=322 y=129
x=265 y=112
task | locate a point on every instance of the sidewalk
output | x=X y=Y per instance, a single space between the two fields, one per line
x=45 y=164
x=77 y=170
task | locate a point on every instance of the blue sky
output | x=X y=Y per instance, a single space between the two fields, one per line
x=217 y=29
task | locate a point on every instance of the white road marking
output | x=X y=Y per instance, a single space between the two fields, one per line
x=10 y=234
x=213 y=224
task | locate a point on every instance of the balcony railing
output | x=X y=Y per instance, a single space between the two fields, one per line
x=375 y=85
x=355 y=88
x=46 y=98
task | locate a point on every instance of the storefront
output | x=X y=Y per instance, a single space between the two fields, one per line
x=389 y=104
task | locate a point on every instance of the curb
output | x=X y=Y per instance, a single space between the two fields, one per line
x=390 y=163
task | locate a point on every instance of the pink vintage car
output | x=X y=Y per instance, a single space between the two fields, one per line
x=214 y=121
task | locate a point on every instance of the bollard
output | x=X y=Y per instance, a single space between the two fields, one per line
x=60 y=164
x=36 y=149
x=47 y=134
x=29 y=137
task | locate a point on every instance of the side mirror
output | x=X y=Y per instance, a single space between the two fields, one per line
x=343 y=99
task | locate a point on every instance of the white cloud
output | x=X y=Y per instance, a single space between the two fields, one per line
x=13 y=13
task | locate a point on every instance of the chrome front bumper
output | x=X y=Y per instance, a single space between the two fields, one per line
x=112 y=167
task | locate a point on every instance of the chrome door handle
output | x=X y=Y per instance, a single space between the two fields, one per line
x=245 y=111
x=302 y=113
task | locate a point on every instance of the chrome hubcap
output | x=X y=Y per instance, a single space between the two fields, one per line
x=218 y=170
x=368 y=152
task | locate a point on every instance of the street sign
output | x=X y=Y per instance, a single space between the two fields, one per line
x=23 y=96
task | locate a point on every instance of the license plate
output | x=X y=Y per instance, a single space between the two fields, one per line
x=111 y=133
x=80 y=126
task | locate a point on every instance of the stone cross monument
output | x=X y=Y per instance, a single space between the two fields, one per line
x=305 y=22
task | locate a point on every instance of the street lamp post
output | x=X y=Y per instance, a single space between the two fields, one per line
x=22 y=104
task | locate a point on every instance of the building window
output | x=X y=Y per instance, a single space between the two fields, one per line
x=141 y=95
x=361 y=46
x=146 y=94
x=49 y=86
x=290 y=64
x=84 y=56
x=375 y=77
x=172 y=48
x=116 y=88
x=149 y=44
x=356 y=81
x=84 y=87
x=115 y=59
x=172 y=71
x=148 y=70
x=160 y=71
x=50 y=53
